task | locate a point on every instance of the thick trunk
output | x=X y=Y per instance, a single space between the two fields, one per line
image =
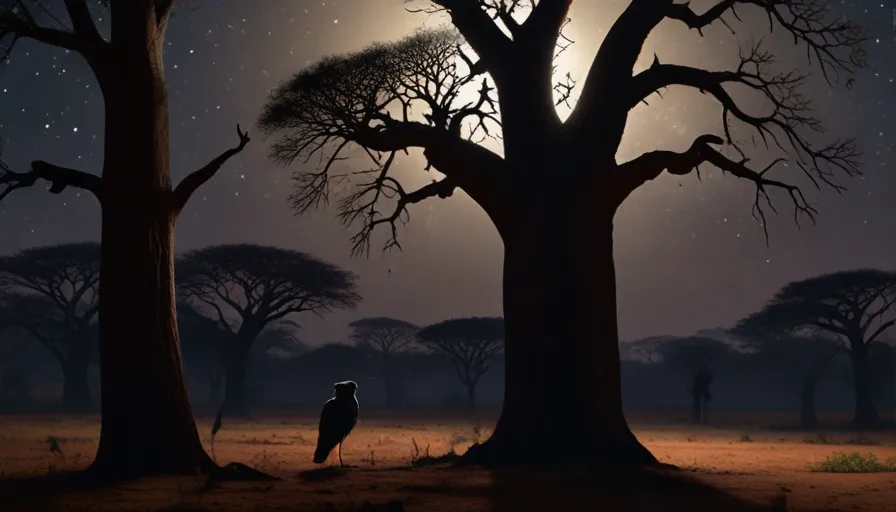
x=75 y=389
x=866 y=411
x=808 y=418
x=562 y=400
x=147 y=424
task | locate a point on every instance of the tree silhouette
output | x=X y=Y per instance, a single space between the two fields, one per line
x=260 y=285
x=147 y=427
x=387 y=338
x=201 y=338
x=805 y=358
x=553 y=191
x=470 y=344
x=855 y=306
x=62 y=283
x=698 y=358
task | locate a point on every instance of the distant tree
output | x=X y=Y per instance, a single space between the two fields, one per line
x=552 y=186
x=261 y=286
x=698 y=358
x=201 y=339
x=471 y=345
x=387 y=338
x=64 y=278
x=150 y=429
x=805 y=358
x=854 y=306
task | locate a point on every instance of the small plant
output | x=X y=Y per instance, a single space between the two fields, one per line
x=692 y=438
x=745 y=439
x=477 y=433
x=419 y=459
x=854 y=462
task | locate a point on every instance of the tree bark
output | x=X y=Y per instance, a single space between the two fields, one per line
x=147 y=425
x=808 y=417
x=865 y=408
x=562 y=368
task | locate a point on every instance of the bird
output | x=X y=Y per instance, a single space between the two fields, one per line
x=338 y=418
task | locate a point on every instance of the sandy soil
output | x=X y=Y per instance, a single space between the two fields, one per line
x=750 y=463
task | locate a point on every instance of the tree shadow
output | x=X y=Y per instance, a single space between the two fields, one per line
x=618 y=490
x=18 y=492
x=636 y=490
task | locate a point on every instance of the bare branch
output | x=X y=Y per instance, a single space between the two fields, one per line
x=82 y=21
x=479 y=31
x=193 y=181
x=833 y=41
x=59 y=178
x=786 y=127
x=368 y=100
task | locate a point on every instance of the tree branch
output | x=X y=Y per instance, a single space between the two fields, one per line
x=193 y=181
x=880 y=330
x=479 y=31
x=82 y=22
x=59 y=178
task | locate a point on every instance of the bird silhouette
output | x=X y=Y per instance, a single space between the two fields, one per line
x=339 y=417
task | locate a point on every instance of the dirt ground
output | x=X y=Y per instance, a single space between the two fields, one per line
x=739 y=463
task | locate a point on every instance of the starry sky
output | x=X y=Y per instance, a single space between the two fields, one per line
x=689 y=255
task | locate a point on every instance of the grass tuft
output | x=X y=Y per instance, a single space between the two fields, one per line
x=854 y=462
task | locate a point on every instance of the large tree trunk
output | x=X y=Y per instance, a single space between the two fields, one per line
x=147 y=424
x=808 y=417
x=866 y=411
x=562 y=400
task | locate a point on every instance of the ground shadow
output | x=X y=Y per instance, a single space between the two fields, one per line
x=662 y=490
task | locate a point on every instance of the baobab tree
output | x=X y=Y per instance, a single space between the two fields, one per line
x=471 y=345
x=855 y=307
x=554 y=186
x=260 y=286
x=60 y=304
x=387 y=338
x=147 y=426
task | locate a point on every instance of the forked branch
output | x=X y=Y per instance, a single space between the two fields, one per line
x=196 y=179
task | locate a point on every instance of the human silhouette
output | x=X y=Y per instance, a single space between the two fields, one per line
x=339 y=417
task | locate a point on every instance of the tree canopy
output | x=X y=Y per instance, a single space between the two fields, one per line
x=384 y=335
x=470 y=343
x=429 y=91
x=263 y=284
x=856 y=306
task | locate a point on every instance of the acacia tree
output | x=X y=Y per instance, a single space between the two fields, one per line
x=147 y=426
x=854 y=306
x=260 y=285
x=61 y=282
x=471 y=345
x=388 y=339
x=553 y=191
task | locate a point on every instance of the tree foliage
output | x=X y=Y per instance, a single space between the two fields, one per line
x=368 y=99
x=262 y=284
x=854 y=306
x=54 y=293
x=470 y=343
x=385 y=336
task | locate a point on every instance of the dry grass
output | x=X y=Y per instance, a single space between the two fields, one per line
x=398 y=459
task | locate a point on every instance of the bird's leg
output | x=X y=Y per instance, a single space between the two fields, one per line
x=340 y=455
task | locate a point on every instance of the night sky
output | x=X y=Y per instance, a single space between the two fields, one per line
x=689 y=255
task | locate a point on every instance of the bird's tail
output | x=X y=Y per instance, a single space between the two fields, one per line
x=324 y=447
